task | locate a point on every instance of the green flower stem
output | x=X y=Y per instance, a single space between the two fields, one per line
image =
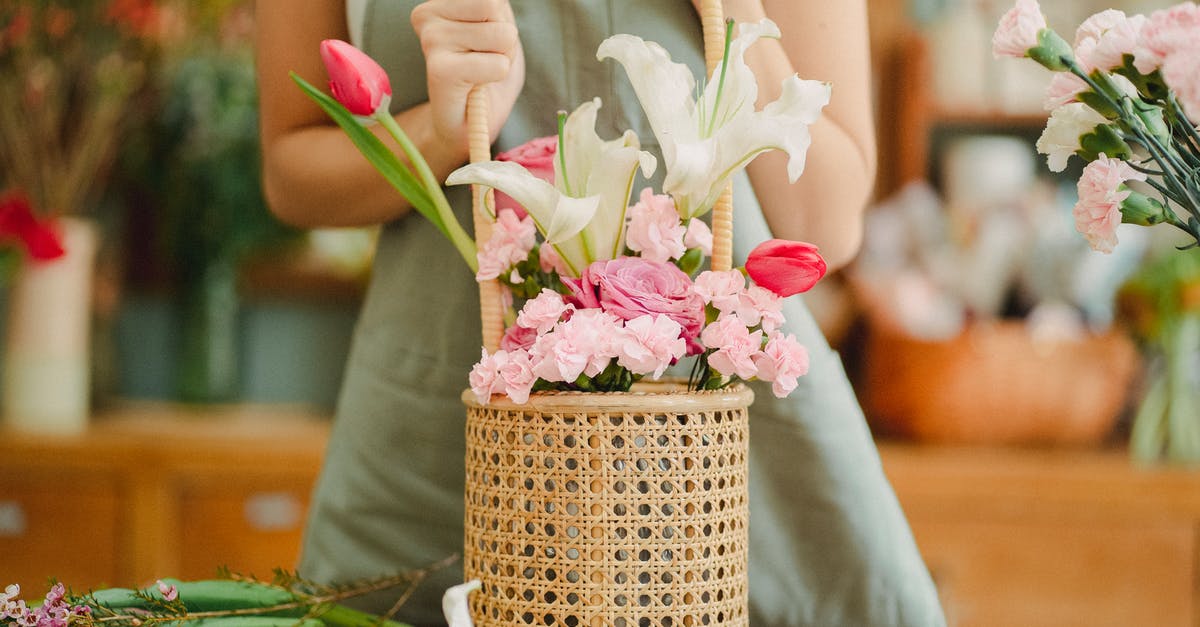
x=1183 y=439
x=459 y=237
x=1148 y=436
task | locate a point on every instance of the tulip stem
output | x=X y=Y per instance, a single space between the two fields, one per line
x=458 y=236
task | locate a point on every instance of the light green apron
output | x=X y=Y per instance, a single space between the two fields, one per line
x=829 y=544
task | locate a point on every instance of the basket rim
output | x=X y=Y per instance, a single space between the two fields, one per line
x=668 y=395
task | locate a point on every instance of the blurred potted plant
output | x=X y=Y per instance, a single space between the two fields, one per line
x=68 y=72
x=1163 y=304
x=207 y=137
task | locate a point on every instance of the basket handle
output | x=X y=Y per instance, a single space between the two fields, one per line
x=491 y=313
x=712 y=20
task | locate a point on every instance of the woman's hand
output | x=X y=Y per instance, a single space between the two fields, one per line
x=468 y=43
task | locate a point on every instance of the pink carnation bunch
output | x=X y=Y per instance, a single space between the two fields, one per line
x=511 y=240
x=1101 y=191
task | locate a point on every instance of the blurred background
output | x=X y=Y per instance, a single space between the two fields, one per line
x=1036 y=403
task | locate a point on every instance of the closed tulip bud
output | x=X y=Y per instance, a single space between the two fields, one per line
x=355 y=79
x=785 y=267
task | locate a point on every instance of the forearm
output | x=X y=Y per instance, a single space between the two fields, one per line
x=315 y=176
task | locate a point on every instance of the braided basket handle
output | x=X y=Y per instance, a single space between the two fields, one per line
x=712 y=18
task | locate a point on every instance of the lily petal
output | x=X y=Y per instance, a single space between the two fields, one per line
x=663 y=87
x=570 y=217
x=538 y=197
x=456 y=608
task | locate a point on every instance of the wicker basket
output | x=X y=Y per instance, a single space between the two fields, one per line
x=609 y=509
x=994 y=385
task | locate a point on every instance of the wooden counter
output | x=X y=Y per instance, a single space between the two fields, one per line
x=153 y=490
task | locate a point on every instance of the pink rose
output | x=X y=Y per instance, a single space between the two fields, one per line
x=785 y=267
x=355 y=79
x=1165 y=32
x=518 y=337
x=699 y=236
x=654 y=228
x=511 y=240
x=1101 y=191
x=735 y=347
x=649 y=344
x=535 y=155
x=1018 y=30
x=720 y=289
x=781 y=362
x=543 y=312
x=629 y=287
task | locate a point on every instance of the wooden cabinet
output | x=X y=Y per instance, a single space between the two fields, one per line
x=151 y=491
x=1054 y=538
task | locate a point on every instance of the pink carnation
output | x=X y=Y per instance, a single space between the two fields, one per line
x=1165 y=32
x=516 y=373
x=485 y=375
x=535 y=155
x=782 y=361
x=1104 y=39
x=630 y=287
x=735 y=347
x=699 y=236
x=720 y=289
x=654 y=228
x=1064 y=89
x=1018 y=30
x=1181 y=71
x=583 y=345
x=649 y=344
x=1098 y=211
x=543 y=312
x=511 y=240
x=760 y=306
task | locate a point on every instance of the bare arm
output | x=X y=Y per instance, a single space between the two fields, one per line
x=827 y=41
x=312 y=174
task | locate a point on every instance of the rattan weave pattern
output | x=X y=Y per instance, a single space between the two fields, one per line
x=613 y=509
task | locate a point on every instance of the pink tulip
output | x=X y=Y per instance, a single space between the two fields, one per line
x=355 y=79
x=785 y=267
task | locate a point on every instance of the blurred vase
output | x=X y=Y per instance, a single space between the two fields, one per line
x=47 y=356
x=208 y=313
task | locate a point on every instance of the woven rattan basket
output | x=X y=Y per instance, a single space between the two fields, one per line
x=622 y=509
x=609 y=509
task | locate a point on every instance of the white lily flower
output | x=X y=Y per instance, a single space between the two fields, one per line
x=705 y=143
x=456 y=608
x=1066 y=126
x=583 y=214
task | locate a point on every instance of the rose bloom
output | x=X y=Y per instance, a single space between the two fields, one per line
x=1098 y=212
x=1018 y=30
x=629 y=287
x=654 y=228
x=1165 y=32
x=535 y=155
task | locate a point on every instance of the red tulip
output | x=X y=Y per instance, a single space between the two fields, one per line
x=785 y=267
x=355 y=79
x=41 y=239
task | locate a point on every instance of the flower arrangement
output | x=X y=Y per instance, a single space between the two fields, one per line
x=1123 y=98
x=611 y=293
x=68 y=71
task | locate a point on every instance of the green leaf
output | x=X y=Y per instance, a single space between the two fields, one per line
x=384 y=160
